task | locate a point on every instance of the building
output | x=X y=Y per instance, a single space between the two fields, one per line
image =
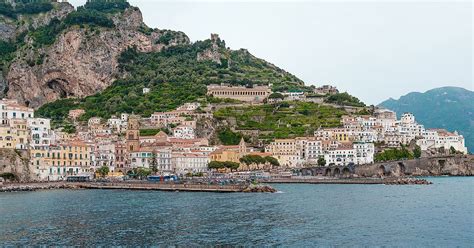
x=184 y=132
x=40 y=132
x=149 y=157
x=132 y=135
x=11 y=109
x=190 y=162
x=286 y=151
x=229 y=153
x=326 y=90
x=241 y=93
x=57 y=162
x=441 y=138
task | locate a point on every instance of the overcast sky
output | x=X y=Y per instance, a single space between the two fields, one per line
x=373 y=50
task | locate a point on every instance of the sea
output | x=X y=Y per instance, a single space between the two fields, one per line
x=299 y=215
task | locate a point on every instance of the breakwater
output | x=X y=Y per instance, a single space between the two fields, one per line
x=229 y=188
x=387 y=181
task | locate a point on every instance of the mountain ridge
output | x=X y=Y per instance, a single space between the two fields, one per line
x=449 y=107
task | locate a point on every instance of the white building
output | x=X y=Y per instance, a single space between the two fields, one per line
x=440 y=138
x=190 y=162
x=184 y=132
x=10 y=109
x=364 y=152
x=147 y=157
x=40 y=132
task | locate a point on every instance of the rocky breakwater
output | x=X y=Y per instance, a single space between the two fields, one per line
x=35 y=187
x=259 y=188
x=408 y=181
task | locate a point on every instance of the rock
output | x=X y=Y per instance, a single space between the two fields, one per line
x=259 y=189
x=80 y=62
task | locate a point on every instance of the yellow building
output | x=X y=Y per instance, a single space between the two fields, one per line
x=286 y=151
x=58 y=162
x=14 y=135
x=229 y=153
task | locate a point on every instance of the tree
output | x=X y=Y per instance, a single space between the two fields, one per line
x=273 y=161
x=231 y=165
x=143 y=172
x=321 y=161
x=215 y=165
x=154 y=164
x=103 y=171
x=417 y=152
x=276 y=95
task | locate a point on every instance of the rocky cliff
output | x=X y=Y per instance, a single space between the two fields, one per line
x=83 y=59
x=17 y=163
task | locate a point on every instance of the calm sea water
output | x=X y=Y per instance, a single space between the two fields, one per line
x=302 y=215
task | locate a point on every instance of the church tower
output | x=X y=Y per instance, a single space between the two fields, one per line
x=133 y=134
x=242 y=147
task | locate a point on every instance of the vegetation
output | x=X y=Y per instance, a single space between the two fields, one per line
x=6 y=51
x=106 y=6
x=276 y=95
x=394 y=154
x=174 y=76
x=321 y=161
x=139 y=173
x=88 y=16
x=256 y=159
x=345 y=99
x=24 y=7
x=149 y=132
x=283 y=120
x=227 y=137
x=103 y=171
x=221 y=165
x=417 y=152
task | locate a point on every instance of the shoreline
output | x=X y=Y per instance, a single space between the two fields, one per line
x=233 y=188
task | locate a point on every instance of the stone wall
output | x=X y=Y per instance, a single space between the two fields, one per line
x=434 y=166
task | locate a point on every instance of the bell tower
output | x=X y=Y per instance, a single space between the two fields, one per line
x=133 y=134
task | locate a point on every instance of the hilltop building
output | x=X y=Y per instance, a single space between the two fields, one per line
x=246 y=94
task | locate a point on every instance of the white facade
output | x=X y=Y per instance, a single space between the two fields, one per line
x=184 y=132
x=10 y=109
x=161 y=158
x=440 y=138
x=40 y=132
x=190 y=162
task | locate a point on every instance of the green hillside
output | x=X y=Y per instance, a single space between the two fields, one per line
x=283 y=120
x=451 y=108
x=175 y=76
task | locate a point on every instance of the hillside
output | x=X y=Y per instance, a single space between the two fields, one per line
x=282 y=120
x=451 y=108
x=60 y=53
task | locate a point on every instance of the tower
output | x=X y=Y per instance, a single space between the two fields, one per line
x=133 y=134
x=242 y=147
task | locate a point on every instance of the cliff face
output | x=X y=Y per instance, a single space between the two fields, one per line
x=16 y=162
x=82 y=61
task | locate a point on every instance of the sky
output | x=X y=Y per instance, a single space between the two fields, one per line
x=372 y=49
